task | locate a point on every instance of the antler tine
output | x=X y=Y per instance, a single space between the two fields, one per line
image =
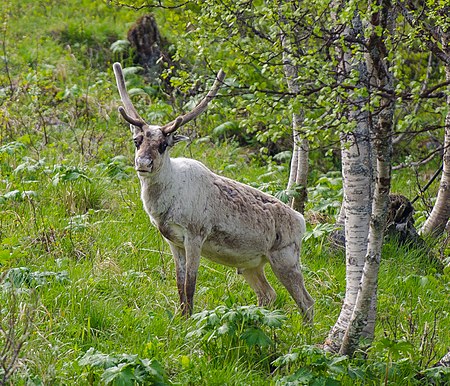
x=183 y=119
x=130 y=119
x=128 y=111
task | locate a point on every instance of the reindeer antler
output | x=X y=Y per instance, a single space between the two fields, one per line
x=183 y=119
x=131 y=115
x=128 y=111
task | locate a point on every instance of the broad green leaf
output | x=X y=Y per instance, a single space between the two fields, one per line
x=255 y=337
x=121 y=375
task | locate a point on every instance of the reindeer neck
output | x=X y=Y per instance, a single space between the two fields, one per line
x=156 y=187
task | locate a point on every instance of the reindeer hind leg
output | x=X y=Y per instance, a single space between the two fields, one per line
x=256 y=278
x=286 y=266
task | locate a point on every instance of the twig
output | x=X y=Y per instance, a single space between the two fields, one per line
x=417 y=163
x=157 y=4
x=422 y=191
x=5 y=57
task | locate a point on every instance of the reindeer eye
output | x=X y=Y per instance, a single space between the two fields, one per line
x=162 y=147
x=137 y=141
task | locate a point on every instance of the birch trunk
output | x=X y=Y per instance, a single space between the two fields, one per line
x=369 y=329
x=369 y=279
x=379 y=70
x=298 y=174
x=444 y=361
x=439 y=216
x=357 y=181
x=356 y=174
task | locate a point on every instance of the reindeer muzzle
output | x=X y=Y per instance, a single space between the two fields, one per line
x=143 y=164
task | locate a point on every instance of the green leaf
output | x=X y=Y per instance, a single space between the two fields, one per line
x=213 y=320
x=440 y=373
x=285 y=359
x=223 y=329
x=5 y=256
x=121 y=375
x=273 y=318
x=97 y=359
x=254 y=336
x=12 y=147
x=338 y=364
x=155 y=370
x=356 y=373
x=120 y=46
x=19 y=276
x=136 y=91
x=301 y=376
x=226 y=128
x=13 y=195
x=131 y=70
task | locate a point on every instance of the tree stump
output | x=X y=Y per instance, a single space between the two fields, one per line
x=146 y=40
x=400 y=221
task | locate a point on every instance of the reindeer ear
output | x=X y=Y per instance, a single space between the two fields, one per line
x=135 y=130
x=172 y=139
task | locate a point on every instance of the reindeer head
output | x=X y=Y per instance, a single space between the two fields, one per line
x=152 y=141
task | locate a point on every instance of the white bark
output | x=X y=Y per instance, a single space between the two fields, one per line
x=383 y=132
x=444 y=361
x=341 y=217
x=300 y=152
x=357 y=182
x=357 y=178
x=369 y=279
x=439 y=216
x=298 y=175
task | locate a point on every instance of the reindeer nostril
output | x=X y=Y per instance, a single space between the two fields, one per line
x=143 y=162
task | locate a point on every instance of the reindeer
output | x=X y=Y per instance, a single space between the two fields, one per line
x=200 y=213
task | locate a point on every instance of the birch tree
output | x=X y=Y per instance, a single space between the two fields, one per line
x=357 y=317
x=298 y=174
x=357 y=182
x=383 y=132
x=319 y=68
x=439 y=216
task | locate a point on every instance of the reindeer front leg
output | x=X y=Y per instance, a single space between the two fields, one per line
x=193 y=247
x=180 y=266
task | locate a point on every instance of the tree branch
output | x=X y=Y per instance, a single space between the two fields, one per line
x=156 y=4
x=429 y=34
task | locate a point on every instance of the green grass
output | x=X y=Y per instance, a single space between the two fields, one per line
x=119 y=293
x=96 y=275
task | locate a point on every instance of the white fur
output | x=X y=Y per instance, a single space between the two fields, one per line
x=201 y=213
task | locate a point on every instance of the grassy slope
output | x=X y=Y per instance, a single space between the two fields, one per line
x=120 y=293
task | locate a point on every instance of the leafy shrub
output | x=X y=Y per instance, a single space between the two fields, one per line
x=235 y=331
x=23 y=277
x=9 y=152
x=315 y=367
x=319 y=231
x=123 y=369
x=310 y=365
x=117 y=168
x=16 y=195
x=437 y=375
x=325 y=195
x=12 y=147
